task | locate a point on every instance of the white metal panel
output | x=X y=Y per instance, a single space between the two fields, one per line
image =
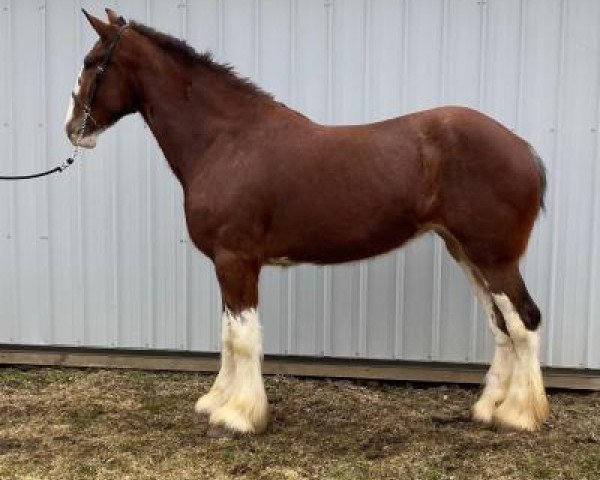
x=100 y=256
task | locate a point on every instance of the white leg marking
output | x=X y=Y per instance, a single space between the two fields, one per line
x=497 y=380
x=498 y=377
x=246 y=409
x=526 y=406
x=220 y=391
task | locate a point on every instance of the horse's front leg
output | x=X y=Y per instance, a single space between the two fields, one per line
x=240 y=399
x=220 y=391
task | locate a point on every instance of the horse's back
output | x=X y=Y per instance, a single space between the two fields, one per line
x=381 y=183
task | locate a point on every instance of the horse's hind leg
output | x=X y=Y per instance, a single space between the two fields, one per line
x=525 y=406
x=497 y=379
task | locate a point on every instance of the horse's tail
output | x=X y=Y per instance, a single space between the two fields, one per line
x=543 y=178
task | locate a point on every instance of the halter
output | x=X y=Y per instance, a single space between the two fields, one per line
x=87 y=111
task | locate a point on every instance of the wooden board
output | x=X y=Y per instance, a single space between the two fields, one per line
x=280 y=365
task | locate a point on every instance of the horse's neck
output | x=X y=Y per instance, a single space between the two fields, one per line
x=187 y=112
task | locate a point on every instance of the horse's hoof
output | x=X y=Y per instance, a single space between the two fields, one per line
x=513 y=416
x=237 y=421
x=483 y=412
x=207 y=404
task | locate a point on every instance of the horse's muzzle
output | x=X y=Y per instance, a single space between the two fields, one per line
x=89 y=141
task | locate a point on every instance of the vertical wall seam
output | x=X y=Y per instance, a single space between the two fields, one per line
x=595 y=227
x=437 y=245
x=400 y=256
x=216 y=338
x=220 y=46
x=554 y=186
x=41 y=194
x=326 y=270
x=80 y=310
x=151 y=175
x=48 y=192
x=257 y=31
x=518 y=125
x=189 y=246
x=363 y=266
x=481 y=101
x=15 y=197
x=330 y=4
x=13 y=188
x=174 y=315
x=4 y=108
x=521 y=66
x=291 y=273
x=115 y=310
x=183 y=338
x=283 y=275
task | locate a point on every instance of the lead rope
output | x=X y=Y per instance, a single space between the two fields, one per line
x=63 y=166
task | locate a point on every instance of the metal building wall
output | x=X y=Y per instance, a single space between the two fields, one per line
x=99 y=256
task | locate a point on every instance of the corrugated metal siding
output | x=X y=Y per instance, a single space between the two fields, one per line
x=100 y=256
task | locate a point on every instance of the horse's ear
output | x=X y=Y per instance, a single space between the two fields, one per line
x=115 y=19
x=102 y=29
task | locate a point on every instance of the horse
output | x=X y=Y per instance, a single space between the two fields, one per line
x=265 y=185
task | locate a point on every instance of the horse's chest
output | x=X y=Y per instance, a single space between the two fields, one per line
x=216 y=222
x=202 y=224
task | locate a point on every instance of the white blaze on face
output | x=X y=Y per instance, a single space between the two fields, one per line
x=89 y=140
x=71 y=107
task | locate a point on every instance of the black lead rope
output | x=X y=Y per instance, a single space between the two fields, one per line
x=60 y=168
x=87 y=107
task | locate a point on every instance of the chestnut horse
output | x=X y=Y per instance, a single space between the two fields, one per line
x=264 y=185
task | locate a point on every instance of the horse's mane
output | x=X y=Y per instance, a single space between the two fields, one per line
x=188 y=54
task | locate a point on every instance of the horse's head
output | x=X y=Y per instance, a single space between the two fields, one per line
x=103 y=91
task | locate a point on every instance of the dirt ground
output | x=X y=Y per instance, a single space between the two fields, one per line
x=100 y=424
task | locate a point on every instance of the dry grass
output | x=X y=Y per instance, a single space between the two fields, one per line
x=98 y=424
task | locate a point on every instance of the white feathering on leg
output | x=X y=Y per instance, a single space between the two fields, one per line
x=246 y=410
x=222 y=386
x=497 y=379
x=526 y=406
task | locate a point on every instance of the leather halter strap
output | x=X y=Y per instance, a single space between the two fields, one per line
x=100 y=70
